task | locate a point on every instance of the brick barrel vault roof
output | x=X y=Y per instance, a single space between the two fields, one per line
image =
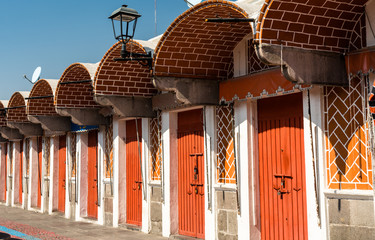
x=194 y=48
x=123 y=78
x=42 y=106
x=18 y=102
x=327 y=25
x=3 y=116
x=76 y=95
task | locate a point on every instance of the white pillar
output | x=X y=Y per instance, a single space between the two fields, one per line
x=43 y=197
x=24 y=183
x=101 y=147
x=68 y=177
x=169 y=140
x=242 y=150
x=210 y=168
x=146 y=201
x=12 y=148
x=314 y=230
x=116 y=144
x=78 y=177
x=51 y=175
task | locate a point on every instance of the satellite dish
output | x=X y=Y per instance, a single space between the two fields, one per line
x=36 y=74
x=192 y=3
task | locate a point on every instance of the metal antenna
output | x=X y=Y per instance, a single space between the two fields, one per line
x=24 y=76
x=188 y=3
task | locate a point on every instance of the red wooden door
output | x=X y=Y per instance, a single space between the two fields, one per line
x=21 y=171
x=133 y=173
x=282 y=168
x=62 y=166
x=191 y=174
x=6 y=170
x=92 y=176
x=40 y=157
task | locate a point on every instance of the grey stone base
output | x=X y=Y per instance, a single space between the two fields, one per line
x=108 y=205
x=226 y=215
x=46 y=195
x=72 y=199
x=350 y=219
x=156 y=210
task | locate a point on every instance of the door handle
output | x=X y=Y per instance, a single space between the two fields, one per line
x=196 y=184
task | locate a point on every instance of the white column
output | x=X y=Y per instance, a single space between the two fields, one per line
x=169 y=140
x=116 y=143
x=78 y=177
x=254 y=194
x=24 y=183
x=317 y=146
x=29 y=193
x=209 y=162
x=43 y=197
x=68 y=181
x=13 y=172
x=51 y=175
x=101 y=147
x=145 y=170
x=242 y=150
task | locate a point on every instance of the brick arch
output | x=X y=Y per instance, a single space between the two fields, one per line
x=122 y=78
x=45 y=105
x=17 y=107
x=3 y=116
x=325 y=25
x=76 y=95
x=196 y=49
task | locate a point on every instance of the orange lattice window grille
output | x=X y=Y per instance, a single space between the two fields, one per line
x=156 y=148
x=47 y=144
x=109 y=150
x=27 y=156
x=348 y=156
x=73 y=142
x=226 y=171
x=10 y=153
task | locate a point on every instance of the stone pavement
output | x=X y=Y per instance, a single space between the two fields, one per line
x=44 y=226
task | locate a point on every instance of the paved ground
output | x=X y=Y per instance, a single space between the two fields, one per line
x=43 y=226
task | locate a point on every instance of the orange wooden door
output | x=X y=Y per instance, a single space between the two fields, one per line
x=21 y=171
x=191 y=174
x=40 y=157
x=6 y=170
x=282 y=168
x=92 y=176
x=62 y=168
x=133 y=173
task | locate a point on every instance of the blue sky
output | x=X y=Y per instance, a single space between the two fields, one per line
x=54 y=34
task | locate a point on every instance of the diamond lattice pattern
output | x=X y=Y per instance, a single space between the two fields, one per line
x=73 y=142
x=346 y=137
x=156 y=148
x=109 y=150
x=47 y=154
x=27 y=156
x=225 y=151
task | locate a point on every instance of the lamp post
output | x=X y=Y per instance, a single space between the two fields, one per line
x=127 y=18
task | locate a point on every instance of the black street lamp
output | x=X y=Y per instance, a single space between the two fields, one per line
x=126 y=33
